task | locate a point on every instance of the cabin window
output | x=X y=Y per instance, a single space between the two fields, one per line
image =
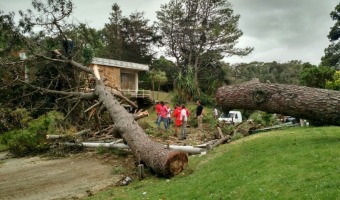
x=128 y=81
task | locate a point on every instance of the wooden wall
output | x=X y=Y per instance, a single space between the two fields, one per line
x=113 y=75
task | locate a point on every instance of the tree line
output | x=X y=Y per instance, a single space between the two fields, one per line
x=196 y=36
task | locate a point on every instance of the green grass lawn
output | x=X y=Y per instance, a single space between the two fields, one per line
x=295 y=163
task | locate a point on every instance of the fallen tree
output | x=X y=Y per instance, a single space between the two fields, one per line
x=321 y=106
x=37 y=47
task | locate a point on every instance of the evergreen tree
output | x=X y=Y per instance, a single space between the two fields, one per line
x=129 y=38
x=332 y=52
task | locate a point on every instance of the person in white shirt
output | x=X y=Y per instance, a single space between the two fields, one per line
x=184 y=119
x=168 y=116
x=215 y=113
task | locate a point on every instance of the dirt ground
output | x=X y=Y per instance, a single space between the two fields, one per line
x=73 y=177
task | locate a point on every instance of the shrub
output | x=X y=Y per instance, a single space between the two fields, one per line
x=193 y=122
x=13 y=119
x=144 y=124
x=23 y=142
x=119 y=170
x=263 y=118
x=178 y=99
x=205 y=100
x=236 y=136
x=4 y=124
x=31 y=140
x=20 y=117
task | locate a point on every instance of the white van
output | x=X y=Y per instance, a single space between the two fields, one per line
x=232 y=117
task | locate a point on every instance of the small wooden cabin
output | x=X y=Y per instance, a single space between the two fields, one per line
x=122 y=75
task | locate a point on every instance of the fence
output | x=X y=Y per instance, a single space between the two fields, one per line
x=137 y=93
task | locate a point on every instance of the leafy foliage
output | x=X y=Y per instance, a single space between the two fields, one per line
x=159 y=77
x=31 y=140
x=273 y=72
x=40 y=64
x=167 y=66
x=13 y=119
x=184 y=87
x=263 y=118
x=313 y=76
x=335 y=84
x=211 y=77
x=128 y=38
x=331 y=57
x=236 y=136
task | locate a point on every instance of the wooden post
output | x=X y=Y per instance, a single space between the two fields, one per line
x=209 y=147
x=141 y=174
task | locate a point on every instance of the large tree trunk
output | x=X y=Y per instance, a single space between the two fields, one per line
x=319 y=105
x=162 y=160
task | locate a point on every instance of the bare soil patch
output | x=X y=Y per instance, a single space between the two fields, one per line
x=78 y=175
x=73 y=177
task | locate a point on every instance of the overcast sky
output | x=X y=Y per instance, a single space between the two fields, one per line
x=279 y=30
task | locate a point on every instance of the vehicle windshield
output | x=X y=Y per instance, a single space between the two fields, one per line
x=229 y=115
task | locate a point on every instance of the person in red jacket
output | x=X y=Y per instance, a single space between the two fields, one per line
x=188 y=113
x=177 y=115
x=158 y=111
x=163 y=115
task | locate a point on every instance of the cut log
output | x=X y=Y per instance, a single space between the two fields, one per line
x=95 y=145
x=184 y=149
x=318 y=105
x=120 y=95
x=289 y=124
x=207 y=144
x=140 y=114
x=221 y=141
x=220 y=132
x=51 y=137
x=222 y=138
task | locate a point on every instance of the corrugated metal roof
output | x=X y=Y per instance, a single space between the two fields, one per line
x=121 y=64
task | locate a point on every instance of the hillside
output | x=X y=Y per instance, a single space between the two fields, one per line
x=296 y=163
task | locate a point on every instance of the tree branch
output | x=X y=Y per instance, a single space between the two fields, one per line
x=120 y=95
x=82 y=95
x=93 y=106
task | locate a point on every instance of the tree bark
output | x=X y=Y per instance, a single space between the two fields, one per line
x=318 y=105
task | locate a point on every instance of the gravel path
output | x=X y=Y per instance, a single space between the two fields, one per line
x=64 y=178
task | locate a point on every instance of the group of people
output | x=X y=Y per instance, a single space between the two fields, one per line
x=181 y=114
